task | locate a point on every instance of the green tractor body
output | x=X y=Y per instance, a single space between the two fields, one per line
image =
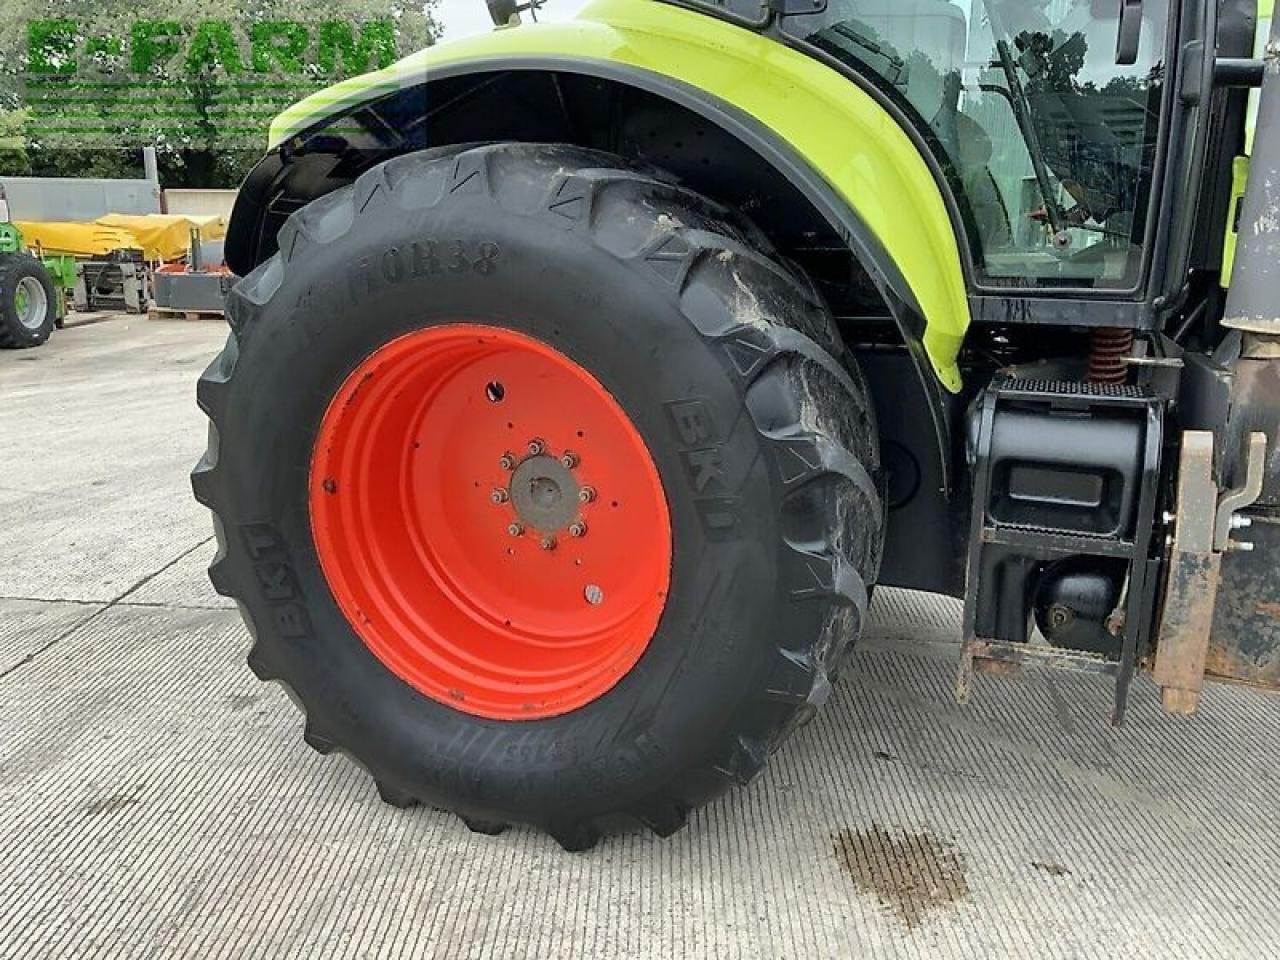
x=968 y=297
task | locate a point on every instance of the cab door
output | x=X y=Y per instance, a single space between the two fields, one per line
x=1043 y=115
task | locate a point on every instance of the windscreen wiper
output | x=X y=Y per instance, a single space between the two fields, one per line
x=827 y=39
x=1022 y=116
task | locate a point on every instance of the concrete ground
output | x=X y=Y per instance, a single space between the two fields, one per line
x=156 y=800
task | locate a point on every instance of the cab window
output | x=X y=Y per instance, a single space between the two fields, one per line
x=1048 y=142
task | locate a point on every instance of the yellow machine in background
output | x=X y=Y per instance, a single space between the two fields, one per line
x=159 y=236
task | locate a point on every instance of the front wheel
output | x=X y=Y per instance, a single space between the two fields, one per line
x=28 y=302
x=542 y=486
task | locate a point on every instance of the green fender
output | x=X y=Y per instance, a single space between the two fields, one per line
x=849 y=140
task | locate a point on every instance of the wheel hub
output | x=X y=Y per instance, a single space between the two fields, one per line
x=509 y=587
x=544 y=494
x=31 y=303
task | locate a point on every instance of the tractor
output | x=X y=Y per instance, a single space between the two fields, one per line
x=586 y=378
x=32 y=287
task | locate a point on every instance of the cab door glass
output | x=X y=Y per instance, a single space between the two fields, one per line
x=1048 y=142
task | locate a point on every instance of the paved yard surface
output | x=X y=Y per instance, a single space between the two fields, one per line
x=156 y=801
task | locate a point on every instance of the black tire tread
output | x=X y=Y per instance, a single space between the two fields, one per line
x=688 y=240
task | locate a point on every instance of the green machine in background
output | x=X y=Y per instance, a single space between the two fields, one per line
x=33 y=288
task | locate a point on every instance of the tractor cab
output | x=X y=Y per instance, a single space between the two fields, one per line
x=1043 y=118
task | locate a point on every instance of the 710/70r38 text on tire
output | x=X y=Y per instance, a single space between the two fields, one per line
x=672 y=320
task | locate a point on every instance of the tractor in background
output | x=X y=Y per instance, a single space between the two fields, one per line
x=33 y=287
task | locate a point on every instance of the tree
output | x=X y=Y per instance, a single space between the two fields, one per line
x=101 y=78
x=13 y=143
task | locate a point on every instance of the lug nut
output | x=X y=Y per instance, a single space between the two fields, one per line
x=499 y=496
x=593 y=594
x=1239 y=522
x=516 y=529
x=569 y=460
x=508 y=461
x=1060 y=616
x=536 y=447
x=587 y=494
x=548 y=543
x=578 y=529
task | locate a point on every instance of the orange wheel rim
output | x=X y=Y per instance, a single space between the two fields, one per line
x=490 y=522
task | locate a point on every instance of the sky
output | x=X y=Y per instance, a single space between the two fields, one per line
x=462 y=18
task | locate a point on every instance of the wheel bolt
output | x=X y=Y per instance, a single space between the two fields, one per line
x=587 y=494
x=516 y=529
x=536 y=447
x=548 y=543
x=578 y=529
x=569 y=460
x=499 y=496
x=508 y=462
x=593 y=594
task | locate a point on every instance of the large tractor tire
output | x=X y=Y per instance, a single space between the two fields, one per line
x=542 y=485
x=28 y=303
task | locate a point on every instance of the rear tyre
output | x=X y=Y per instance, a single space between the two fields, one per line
x=28 y=304
x=465 y=354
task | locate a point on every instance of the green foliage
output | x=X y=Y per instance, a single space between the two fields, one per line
x=84 y=84
x=13 y=143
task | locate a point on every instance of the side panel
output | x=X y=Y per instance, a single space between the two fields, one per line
x=837 y=129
